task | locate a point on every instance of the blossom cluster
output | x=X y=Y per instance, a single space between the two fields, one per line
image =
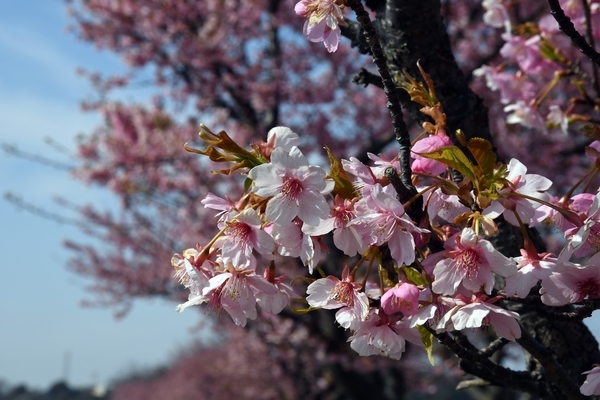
x=445 y=263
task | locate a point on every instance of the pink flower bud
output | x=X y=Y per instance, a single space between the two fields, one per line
x=402 y=298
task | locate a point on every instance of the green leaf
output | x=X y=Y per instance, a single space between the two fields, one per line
x=453 y=157
x=343 y=185
x=484 y=155
x=427 y=339
x=413 y=275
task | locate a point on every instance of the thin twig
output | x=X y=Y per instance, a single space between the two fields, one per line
x=391 y=92
x=567 y=27
x=590 y=38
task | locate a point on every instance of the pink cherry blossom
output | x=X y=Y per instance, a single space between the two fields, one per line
x=531 y=185
x=243 y=234
x=496 y=15
x=443 y=205
x=225 y=206
x=526 y=51
x=284 y=137
x=381 y=163
x=593 y=151
x=345 y=236
x=376 y=336
x=472 y=261
x=525 y=115
x=558 y=118
x=193 y=279
x=297 y=188
x=384 y=221
x=427 y=145
x=585 y=238
x=365 y=175
x=324 y=20
x=569 y=283
x=233 y=291
x=479 y=312
x=532 y=269
x=293 y=242
x=274 y=303
x=279 y=136
x=512 y=88
x=331 y=293
x=404 y=298
x=591 y=386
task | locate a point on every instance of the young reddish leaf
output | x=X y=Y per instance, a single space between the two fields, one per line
x=484 y=155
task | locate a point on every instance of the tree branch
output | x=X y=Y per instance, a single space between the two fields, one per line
x=567 y=27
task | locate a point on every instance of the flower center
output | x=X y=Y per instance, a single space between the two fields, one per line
x=343 y=293
x=590 y=287
x=239 y=230
x=467 y=260
x=342 y=217
x=292 y=188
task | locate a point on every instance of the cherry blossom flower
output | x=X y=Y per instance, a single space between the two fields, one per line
x=496 y=15
x=570 y=283
x=558 y=118
x=225 y=206
x=585 y=238
x=274 y=303
x=383 y=221
x=593 y=151
x=525 y=115
x=377 y=335
x=297 y=188
x=331 y=293
x=526 y=51
x=279 y=136
x=293 y=242
x=404 y=298
x=433 y=313
x=345 y=236
x=531 y=185
x=365 y=175
x=591 y=386
x=470 y=260
x=243 y=234
x=512 y=88
x=479 y=312
x=233 y=291
x=193 y=279
x=532 y=269
x=324 y=20
x=443 y=205
x=427 y=145
x=381 y=163
x=284 y=137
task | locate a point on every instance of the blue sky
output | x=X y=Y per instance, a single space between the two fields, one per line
x=41 y=321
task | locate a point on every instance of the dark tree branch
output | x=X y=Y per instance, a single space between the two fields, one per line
x=567 y=27
x=367 y=78
x=476 y=363
x=354 y=32
x=553 y=371
x=391 y=92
